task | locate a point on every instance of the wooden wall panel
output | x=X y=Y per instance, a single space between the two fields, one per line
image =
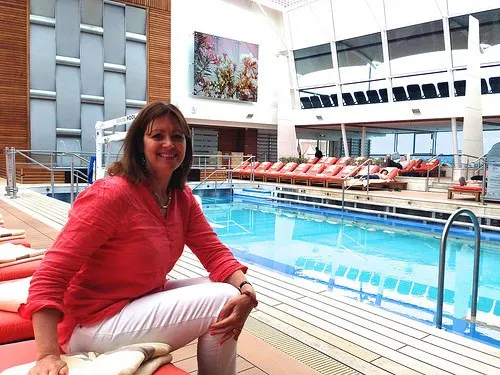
x=152 y=4
x=229 y=139
x=250 y=142
x=159 y=45
x=14 y=118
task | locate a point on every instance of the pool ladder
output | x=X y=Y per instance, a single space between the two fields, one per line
x=442 y=260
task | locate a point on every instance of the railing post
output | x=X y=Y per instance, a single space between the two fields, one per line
x=52 y=173
x=343 y=196
x=71 y=187
x=442 y=260
x=10 y=164
x=8 y=186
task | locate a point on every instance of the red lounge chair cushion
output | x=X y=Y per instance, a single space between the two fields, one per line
x=24 y=352
x=14 y=328
x=19 y=270
x=468 y=187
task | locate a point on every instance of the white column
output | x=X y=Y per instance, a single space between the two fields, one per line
x=344 y=139
x=363 y=141
x=287 y=136
x=473 y=119
x=454 y=137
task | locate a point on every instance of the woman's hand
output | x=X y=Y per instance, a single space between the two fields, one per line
x=50 y=365
x=232 y=318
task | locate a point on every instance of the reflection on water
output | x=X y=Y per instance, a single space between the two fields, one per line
x=381 y=263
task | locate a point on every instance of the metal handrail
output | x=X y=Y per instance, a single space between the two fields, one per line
x=367 y=161
x=442 y=259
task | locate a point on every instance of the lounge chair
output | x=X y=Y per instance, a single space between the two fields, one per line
x=388 y=183
x=312 y=160
x=303 y=177
x=426 y=167
x=257 y=171
x=273 y=176
x=327 y=160
x=344 y=160
x=320 y=178
x=474 y=190
x=260 y=175
x=344 y=174
x=236 y=171
x=409 y=167
x=288 y=177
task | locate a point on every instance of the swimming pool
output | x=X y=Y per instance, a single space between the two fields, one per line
x=379 y=261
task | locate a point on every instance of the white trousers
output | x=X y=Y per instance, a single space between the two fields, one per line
x=177 y=316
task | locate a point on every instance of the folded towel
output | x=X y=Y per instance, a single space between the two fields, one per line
x=13 y=293
x=10 y=252
x=24 y=260
x=4 y=232
x=137 y=359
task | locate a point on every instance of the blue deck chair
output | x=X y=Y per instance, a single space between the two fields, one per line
x=414 y=92
x=429 y=91
x=373 y=96
x=325 y=99
x=360 y=97
x=383 y=95
x=484 y=87
x=399 y=93
x=444 y=90
x=459 y=87
x=495 y=84
x=306 y=102
x=348 y=100
x=316 y=103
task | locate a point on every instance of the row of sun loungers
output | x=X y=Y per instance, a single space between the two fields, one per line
x=329 y=172
x=18 y=261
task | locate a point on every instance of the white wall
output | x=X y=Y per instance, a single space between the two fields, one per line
x=236 y=19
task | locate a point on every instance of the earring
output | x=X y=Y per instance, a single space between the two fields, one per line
x=143 y=160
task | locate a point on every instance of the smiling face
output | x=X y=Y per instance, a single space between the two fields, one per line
x=164 y=148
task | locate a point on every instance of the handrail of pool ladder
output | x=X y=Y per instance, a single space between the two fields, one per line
x=442 y=260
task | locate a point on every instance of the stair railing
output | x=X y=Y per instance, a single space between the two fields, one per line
x=475 y=270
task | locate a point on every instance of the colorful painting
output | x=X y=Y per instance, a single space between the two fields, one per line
x=225 y=68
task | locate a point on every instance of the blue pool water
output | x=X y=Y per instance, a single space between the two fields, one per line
x=390 y=263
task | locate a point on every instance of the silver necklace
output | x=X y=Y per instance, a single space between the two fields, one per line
x=162 y=206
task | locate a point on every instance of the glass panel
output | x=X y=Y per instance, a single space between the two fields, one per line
x=68 y=144
x=68 y=96
x=92 y=64
x=311 y=24
x=369 y=17
x=405 y=143
x=91 y=113
x=417 y=48
x=314 y=66
x=490 y=139
x=382 y=145
x=91 y=12
x=360 y=58
x=114 y=34
x=136 y=20
x=114 y=95
x=362 y=92
x=42 y=58
x=68 y=28
x=413 y=86
x=136 y=71
x=43 y=124
x=44 y=8
x=423 y=143
x=489 y=37
x=401 y=13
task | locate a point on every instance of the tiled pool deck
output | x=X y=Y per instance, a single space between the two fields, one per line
x=309 y=324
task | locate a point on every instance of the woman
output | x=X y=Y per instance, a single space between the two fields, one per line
x=103 y=279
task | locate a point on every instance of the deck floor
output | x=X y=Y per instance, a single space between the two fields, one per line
x=329 y=333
